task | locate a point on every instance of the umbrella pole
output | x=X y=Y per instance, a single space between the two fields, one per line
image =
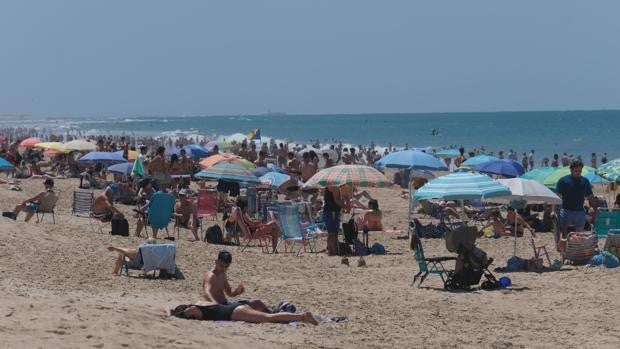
x=514 y=252
x=409 y=201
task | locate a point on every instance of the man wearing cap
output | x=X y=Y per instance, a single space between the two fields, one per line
x=32 y=205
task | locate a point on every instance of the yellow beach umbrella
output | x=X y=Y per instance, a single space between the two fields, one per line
x=57 y=146
x=80 y=145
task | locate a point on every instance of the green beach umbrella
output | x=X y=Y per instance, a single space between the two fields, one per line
x=539 y=174
x=552 y=180
x=610 y=171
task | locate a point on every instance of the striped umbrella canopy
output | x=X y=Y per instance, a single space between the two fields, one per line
x=610 y=171
x=214 y=159
x=352 y=175
x=552 y=180
x=462 y=186
x=5 y=164
x=30 y=142
x=80 y=145
x=274 y=179
x=539 y=174
x=503 y=167
x=414 y=159
x=447 y=153
x=228 y=171
x=478 y=159
x=57 y=146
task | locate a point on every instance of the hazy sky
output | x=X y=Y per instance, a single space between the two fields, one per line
x=121 y=58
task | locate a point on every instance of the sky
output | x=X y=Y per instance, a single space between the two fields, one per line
x=164 y=58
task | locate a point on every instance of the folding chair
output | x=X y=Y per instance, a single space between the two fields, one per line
x=606 y=220
x=538 y=252
x=160 y=212
x=261 y=233
x=612 y=242
x=83 y=202
x=292 y=230
x=206 y=208
x=426 y=265
x=47 y=205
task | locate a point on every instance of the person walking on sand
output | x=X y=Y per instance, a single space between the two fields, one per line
x=215 y=286
x=574 y=189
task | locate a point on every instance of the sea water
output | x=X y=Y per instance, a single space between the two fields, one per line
x=546 y=132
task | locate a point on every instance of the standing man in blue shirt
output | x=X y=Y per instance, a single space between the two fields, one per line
x=574 y=189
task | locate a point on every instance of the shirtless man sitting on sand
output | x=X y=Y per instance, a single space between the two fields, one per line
x=215 y=285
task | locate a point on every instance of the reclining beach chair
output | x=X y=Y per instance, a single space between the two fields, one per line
x=612 y=242
x=426 y=266
x=292 y=229
x=206 y=208
x=160 y=212
x=260 y=234
x=153 y=257
x=580 y=247
x=47 y=205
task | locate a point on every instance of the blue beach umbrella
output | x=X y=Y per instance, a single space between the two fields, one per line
x=595 y=179
x=195 y=151
x=462 y=186
x=5 y=164
x=228 y=171
x=274 y=179
x=478 y=159
x=610 y=171
x=103 y=157
x=413 y=159
x=503 y=167
x=123 y=168
x=448 y=153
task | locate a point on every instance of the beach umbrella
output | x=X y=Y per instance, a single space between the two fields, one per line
x=220 y=144
x=610 y=171
x=478 y=159
x=132 y=155
x=80 y=145
x=552 y=180
x=29 y=142
x=539 y=174
x=352 y=175
x=214 y=159
x=503 y=167
x=124 y=168
x=228 y=171
x=57 y=146
x=195 y=151
x=52 y=152
x=462 y=186
x=138 y=167
x=260 y=171
x=595 y=179
x=103 y=157
x=448 y=153
x=413 y=159
x=5 y=164
x=274 y=179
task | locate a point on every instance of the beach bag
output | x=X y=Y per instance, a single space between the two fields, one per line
x=349 y=230
x=214 y=235
x=120 y=226
x=377 y=248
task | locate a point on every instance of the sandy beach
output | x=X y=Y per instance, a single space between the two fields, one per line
x=58 y=291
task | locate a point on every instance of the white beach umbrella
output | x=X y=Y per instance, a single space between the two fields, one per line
x=529 y=190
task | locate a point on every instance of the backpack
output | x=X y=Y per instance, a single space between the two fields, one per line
x=214 y=235
x=350 y=231
x=120 y=226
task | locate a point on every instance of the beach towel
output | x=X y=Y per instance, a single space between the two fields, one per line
x=158 y=256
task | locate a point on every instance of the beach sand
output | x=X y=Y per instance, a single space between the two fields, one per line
x=58 y=291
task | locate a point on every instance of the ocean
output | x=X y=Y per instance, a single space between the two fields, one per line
x=546 y=132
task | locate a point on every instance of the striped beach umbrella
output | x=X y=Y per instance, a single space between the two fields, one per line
x=610 y=171
x=228 y=171
x=353 y=175
x=462 y=186
x=478 y=159
x=552 y=180
x=214 y=159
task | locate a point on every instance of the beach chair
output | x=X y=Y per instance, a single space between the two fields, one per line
x=260 y=234
x=426 y=265
x=160 y=212
x=612 y=242
x=47 y=205
x=429 y=209
x=606 y=220
x=153 y=257
x=580 y=247
x=206 y=208
x=292 y=229
x=83 y=202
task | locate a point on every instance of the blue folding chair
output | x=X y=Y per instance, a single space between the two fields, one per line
x=160 y=211
x=426 y=265
x=292 y=230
